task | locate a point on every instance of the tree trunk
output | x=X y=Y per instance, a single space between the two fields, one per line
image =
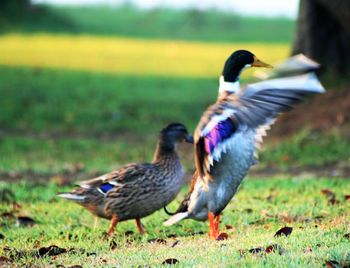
x=323 y=34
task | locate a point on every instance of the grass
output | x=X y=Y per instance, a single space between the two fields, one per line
x=51 y=101
x=128 y=21
x=308 y=149
x=115 y=82
x=98 y=96
x=260 y=208
x=56 y=120
x=128 y=56
x=93 y=156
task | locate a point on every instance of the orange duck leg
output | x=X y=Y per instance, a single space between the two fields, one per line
x=140 y=226
x=214 y=222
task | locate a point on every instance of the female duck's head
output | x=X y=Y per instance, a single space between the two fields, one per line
x=174 y=133
x=237 y=62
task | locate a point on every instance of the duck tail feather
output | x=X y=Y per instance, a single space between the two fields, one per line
x=176 y=218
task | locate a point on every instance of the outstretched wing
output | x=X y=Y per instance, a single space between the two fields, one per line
x=255 y=107
x=117 y=178
x=295 y=65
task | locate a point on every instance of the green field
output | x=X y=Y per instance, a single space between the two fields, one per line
x=54 y=121
x=320 y=229
x=127 y=21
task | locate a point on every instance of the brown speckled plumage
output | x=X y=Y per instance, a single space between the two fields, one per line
x=136 y=190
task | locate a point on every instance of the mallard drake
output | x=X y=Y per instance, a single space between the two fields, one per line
x=136 y=190
x=230 y=132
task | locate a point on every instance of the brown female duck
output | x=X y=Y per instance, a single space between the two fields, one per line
x=136 y=190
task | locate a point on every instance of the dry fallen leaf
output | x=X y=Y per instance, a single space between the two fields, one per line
x=197 y=233
x=52 y=250
x=332 y=264
x=333 y=201
x=318 y=218
x=248 y=210
x=171 y=236
x=228 y=227
x=284 y=231
x=128 y=233
x=269 y=249
x=113 y=245
x=25 y=221
x=255 y=250
x=274 y=248
x=327 y=192
x=222 y=236
x=4 y=261
x=157 y=240
x=175 y=243
x=170 y=261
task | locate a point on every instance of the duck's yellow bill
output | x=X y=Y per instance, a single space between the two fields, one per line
x=259 y=63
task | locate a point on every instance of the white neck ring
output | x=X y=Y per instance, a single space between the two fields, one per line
x=231 y=87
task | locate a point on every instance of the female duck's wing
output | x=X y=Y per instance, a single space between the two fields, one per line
x=117 y=178
x=255 y=107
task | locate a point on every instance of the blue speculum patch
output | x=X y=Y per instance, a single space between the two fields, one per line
x=106 y=187
x=222 y=131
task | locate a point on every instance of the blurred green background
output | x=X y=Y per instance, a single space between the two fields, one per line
x=84 y=89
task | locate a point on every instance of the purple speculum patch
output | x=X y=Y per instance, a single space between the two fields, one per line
x=106 y=187
x=222 y=131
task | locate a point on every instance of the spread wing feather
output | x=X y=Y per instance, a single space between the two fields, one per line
x=255 y=107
